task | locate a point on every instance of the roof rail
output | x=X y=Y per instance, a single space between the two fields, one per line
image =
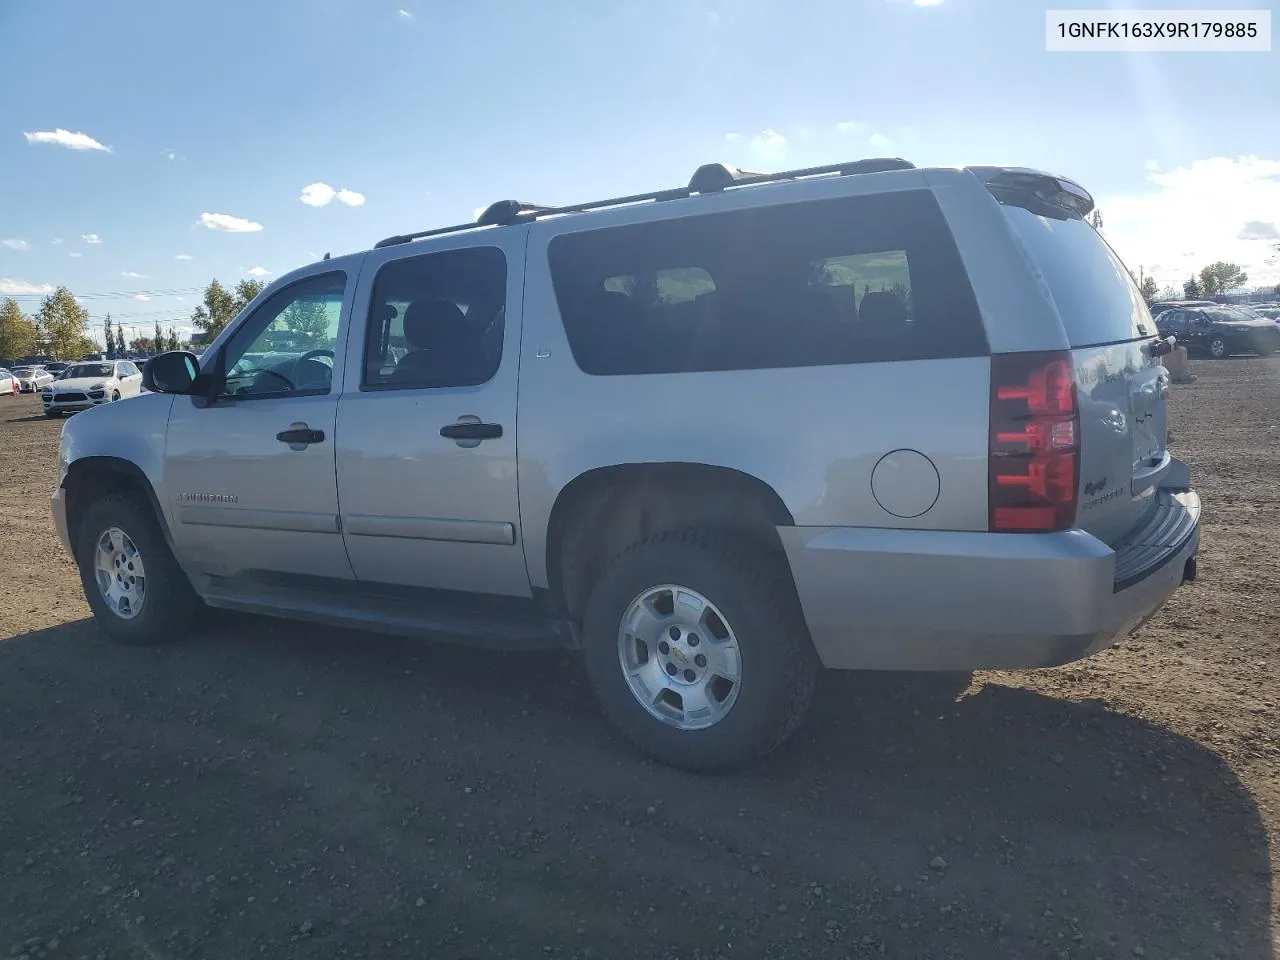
x=708 y=178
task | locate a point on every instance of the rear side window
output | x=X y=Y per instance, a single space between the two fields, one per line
x=1095 y=295
x=853 y=280
x=437 y=321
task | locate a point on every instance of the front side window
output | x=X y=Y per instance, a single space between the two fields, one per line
x=286 y=347
x=850 y=280
x=436 y=320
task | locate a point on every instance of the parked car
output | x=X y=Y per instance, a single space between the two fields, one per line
x=55 y=367
x=32 y=379
x=8 y=382
x=84 y=385
x=1220 y=331
x=763 y=426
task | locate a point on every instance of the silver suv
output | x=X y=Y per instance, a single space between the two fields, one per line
x=865 y=416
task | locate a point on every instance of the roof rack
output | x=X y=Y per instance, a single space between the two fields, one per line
x=708 y=178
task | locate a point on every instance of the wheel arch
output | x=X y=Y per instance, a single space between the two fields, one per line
x=90 y=477
x=603 y=509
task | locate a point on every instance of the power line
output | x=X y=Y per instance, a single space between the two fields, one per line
x=115 y=294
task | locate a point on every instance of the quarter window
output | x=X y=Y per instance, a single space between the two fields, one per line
x=436 y=320
x=852 y=280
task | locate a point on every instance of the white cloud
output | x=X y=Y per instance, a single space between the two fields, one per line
x=768 y=145
x=926 y=3
x=171 y=155
x=16 y=287
x=136 y=276
x=405 y=14
x=90 y=238
x=14 y=244
x=851 y=126
x=879 y=141
x=184 y=256
x=320 y=194
x=733 y=138
x=229 y=224
x=1258 y=230
x=1152 y=166
x=181 y=299
x=65 y=138
x=1192 y=216
x=258 y=272
x=56 y=241
x=75 y=253
x=141 y=296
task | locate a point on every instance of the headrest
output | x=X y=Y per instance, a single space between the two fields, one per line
x=881 y=311
x=431 y=322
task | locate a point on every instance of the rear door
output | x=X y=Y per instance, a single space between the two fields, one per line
x=426 y=451
x=1122 y=388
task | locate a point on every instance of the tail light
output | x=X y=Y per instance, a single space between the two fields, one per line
x=1033 y=463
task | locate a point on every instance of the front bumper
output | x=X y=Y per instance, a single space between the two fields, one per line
x=79 y=401
x=59 y=509
x=877 y=599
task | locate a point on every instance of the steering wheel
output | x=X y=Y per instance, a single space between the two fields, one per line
x=310 y=357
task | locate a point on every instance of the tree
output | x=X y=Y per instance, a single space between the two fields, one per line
x=64 y=325
x=1220 y=278
x=142 y=345
x=1191 y=289
x=308 y=320
x=1148 y=289
x=119 y=339
x=109 y=336
x=246 y=290
x=221 y=305
x=1169 y=292
x=173 y=343
x=17 y=331
x=159 y=340
x=1095 y=219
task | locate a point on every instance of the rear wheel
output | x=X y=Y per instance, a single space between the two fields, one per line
x=1217 y=348
x=115 y=395
x=138 y=593
x=697 y=650
x=52 y=414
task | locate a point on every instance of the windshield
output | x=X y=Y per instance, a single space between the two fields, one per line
x=24 y=371
x=88 y=370
x=1227 y=315
x=1095 y=295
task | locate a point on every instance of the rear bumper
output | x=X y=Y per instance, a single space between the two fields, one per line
x=878 y=599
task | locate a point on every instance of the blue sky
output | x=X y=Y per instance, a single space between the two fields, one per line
x=420 y=111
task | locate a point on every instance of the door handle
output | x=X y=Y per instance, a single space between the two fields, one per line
x=471 y=431
x=300 y=435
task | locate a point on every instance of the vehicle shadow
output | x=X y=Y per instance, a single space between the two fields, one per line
x=319 y=792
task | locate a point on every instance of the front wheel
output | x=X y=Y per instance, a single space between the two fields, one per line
x=1217 y=348
x=135 y=588
x=52 y=414
x=697 y=650
x=115 y=395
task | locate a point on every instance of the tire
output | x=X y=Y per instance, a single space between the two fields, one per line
x=1218 y=348
x=751 y=605
x=52 y=414
x=167 y=608
x=115 y=395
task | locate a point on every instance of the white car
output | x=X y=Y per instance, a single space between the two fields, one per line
x=84 y=385
x=8 y=383
x=32 y=379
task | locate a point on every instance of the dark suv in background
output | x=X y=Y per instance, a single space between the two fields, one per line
x=1219 y=330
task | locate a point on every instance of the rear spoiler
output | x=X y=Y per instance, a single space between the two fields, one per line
x=1022 y=186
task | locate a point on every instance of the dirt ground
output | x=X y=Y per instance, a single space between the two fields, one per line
x=271 y=790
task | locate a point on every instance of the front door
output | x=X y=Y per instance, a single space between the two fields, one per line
x=251 y=476
x=427 y=426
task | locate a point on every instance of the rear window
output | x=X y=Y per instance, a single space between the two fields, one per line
x=852 y=280
x=1095 y=295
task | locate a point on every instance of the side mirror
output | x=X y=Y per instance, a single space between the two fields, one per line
x=173 y=372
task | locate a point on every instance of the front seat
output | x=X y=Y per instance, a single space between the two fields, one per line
x=443 y=348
